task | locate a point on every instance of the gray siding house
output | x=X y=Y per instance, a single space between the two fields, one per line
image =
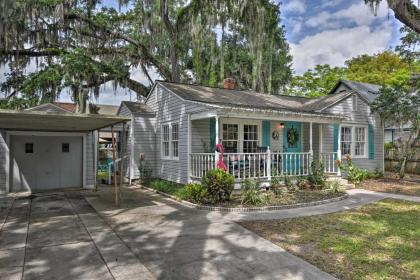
x=176 y=129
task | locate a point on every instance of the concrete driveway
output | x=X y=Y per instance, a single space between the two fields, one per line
x=61 y=236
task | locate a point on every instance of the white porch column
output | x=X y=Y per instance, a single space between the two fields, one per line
x=311 y=151
x=321 y=147
x=269 y=165
x=339 y=149
x=189 y=148
x=216 y=153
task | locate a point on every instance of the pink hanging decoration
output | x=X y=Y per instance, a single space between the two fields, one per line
x=220 y=163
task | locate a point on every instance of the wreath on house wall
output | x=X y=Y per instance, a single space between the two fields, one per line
x=292 y=136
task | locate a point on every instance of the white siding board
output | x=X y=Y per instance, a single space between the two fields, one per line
x=171 y=108
x=362 y=116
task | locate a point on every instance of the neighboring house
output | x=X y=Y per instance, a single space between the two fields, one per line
x=49 y=147
x=177 y=128
x=393 y=134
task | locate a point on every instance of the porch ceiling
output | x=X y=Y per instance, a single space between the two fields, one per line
x=43 y=121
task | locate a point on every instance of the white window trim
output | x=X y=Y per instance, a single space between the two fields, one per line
x=353 y=140
x=170 y=157
x=241 y=123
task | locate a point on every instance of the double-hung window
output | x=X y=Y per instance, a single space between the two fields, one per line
x=360 y=141
x=165 y=141
x=169 y=140
x=346 y=140
x=353 y=141
x=230 y=137
x=174 y=140
x=250 y=143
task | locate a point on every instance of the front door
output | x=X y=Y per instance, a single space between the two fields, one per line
x=292 y=143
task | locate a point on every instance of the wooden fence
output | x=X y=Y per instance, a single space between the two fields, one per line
x=391 y=161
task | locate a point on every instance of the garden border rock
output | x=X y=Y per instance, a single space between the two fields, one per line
x=248 y=209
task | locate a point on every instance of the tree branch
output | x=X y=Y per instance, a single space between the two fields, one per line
x=406 y=12
x=137 y=87
x=164 y=71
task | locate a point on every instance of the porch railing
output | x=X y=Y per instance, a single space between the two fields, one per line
x=329 y=160
x=253 y=165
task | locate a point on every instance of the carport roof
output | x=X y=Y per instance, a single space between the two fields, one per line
x=45 y=121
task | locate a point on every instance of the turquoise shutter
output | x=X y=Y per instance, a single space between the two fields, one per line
x=266 y=133
x=335 y=137
x=212 y=144
x=371 y=142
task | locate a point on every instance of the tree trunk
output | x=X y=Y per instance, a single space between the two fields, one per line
x=402 y=167
x=222 y=55
x=270 y=67
x=174 y=61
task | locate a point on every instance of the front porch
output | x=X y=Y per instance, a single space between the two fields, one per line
x=262 y=148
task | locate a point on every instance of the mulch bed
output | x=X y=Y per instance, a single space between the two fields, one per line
x=289 y=198
x=390 y=183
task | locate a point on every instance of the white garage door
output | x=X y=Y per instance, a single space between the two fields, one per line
x=46 y=162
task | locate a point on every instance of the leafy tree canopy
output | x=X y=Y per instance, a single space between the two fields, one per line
x=82 y=44
x=317 y=82
x=386 y=68
x=399 y=106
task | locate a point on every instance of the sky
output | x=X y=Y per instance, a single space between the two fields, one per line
x=333 y=31
x=318 y=32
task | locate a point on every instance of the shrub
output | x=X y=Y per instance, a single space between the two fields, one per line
x=195 y=192
x=389 y=146
x=250 y=192
x=375 y=174
x=317 y=178
x=303 y=184
x=218 y=184
x=335 y=186
x=354 y=174
x=288 y=181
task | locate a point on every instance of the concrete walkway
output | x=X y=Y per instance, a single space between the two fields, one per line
x=60 y=236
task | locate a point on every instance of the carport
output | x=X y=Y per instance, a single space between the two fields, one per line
x=41 y=150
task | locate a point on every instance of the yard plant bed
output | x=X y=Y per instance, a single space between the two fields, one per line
x=289 y=198
x=410 y=185
x=377 y=241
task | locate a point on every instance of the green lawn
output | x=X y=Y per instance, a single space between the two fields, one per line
x=377 y=241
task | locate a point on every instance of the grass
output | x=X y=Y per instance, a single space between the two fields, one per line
x=377 y=241
x=171 y=188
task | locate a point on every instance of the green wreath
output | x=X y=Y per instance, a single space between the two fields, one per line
x=292 y=136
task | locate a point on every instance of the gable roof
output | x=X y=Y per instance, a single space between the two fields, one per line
x=366 y=90
x=136 y=107
x=236 y=98
x=55 y=106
